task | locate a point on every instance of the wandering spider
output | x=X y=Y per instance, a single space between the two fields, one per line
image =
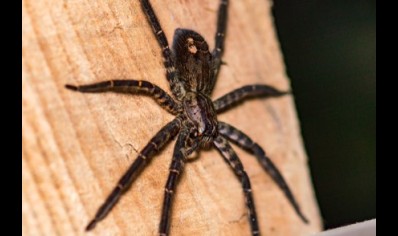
x=191 y=70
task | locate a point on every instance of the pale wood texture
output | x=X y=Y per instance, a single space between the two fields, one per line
x=76 y=146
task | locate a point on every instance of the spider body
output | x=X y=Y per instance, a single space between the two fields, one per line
x=191 y=70
x=194 y=66
x=199 y=109
x=193 y=61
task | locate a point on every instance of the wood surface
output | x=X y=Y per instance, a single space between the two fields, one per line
x=76 y=146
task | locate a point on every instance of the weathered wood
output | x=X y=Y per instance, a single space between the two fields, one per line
x=76 y=146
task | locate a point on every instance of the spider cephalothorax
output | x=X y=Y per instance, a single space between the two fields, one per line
x=191 y=70
x=199 y=109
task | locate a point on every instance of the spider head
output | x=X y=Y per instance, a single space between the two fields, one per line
x=200 y=112
x=206 y=142
x=203 y=140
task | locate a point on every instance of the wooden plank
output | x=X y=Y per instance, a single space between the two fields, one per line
x=76 y=146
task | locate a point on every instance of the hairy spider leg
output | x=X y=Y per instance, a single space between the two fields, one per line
x=155 y=144
x=243 y=141
x=175 y=171
x=169 y=63
x=248 y=91
x=131 y=86
x=219 y=41
x=234 y=162
x=221 y=29
x=161 y=37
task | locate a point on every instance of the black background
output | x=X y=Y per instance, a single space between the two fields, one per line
x=330 y=54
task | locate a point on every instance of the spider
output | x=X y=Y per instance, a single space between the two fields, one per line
x=191 y=70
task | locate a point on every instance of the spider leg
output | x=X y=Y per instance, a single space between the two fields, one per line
x=221 y=29
x=232 y=159
x=248 y=91
x=247 y=144
x=161 y=37
x=131 y=86
x=176 y=167
x=219 y=45
x=154 y=145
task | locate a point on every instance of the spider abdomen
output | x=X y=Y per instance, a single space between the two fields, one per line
x=193 y=60
x=200 y=111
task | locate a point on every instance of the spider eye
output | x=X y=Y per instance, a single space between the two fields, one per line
x=193 y=134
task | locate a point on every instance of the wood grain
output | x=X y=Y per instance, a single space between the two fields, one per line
x=76 y=146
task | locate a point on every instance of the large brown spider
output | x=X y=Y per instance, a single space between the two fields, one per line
x=191 y=71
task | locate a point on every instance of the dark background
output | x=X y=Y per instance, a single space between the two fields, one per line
x=330 y=54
